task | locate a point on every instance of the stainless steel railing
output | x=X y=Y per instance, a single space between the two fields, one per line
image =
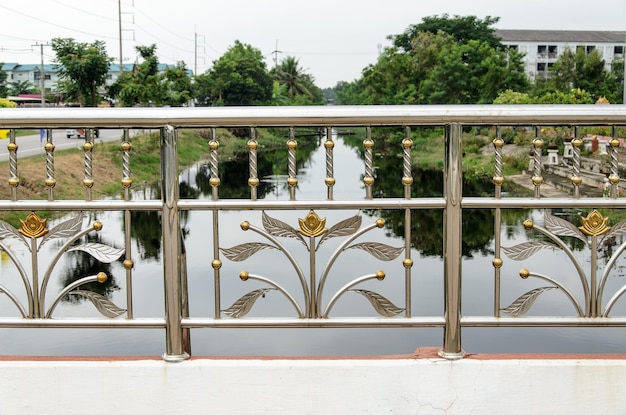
x=309 y=308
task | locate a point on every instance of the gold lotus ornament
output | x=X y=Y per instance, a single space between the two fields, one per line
x=594 y=224
x=33 y=226
x=312 y=225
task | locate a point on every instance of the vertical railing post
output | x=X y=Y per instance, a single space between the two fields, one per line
x=172 y=251
x=453 y=184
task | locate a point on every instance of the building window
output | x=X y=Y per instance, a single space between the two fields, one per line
x=513 y=47
x=542 y=51
x=590 y=49
x=618 y=50
x=552 y=51
x=541 y=67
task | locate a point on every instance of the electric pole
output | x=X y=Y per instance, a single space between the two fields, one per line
x=195 y=51
x=119 y=18
x=42 y=74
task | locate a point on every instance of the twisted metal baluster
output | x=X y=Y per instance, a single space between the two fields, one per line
x=50 y=181
x=576 y=179
x=368 y=180
x=253 y=181
x=126 y=183
x=216 y=263
x=407 y=181
x=14 y=181
x=330 y=174
x=498 y=179
x=214 y=181
x=537 y=179
x=88 y=180
x=614 y=177
x=292 y=181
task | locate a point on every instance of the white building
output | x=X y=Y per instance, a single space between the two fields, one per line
x=32 y=73
x=541 y=48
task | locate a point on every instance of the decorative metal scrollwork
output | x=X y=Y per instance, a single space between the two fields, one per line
x=313 y=228
x=34 y=229
x=592 y=233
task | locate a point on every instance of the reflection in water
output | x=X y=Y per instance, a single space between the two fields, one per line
x=79 y=264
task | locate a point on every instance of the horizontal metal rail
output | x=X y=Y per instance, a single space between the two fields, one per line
x=337 y=116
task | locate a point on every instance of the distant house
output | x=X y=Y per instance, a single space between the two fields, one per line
x=33 y=74
x=541 y=48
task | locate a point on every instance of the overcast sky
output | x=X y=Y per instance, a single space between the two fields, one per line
x=333 y=39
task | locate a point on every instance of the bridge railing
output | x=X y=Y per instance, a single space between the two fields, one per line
x=312 y=306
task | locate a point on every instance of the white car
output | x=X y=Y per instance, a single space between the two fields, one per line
x=78 y=133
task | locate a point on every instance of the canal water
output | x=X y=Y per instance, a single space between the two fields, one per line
x=427 y=285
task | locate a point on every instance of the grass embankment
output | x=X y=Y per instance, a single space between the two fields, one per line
x=69 y=168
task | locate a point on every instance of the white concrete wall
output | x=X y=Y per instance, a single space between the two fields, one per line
x=341 y=386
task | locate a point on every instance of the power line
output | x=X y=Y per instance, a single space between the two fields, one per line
x=57 y=25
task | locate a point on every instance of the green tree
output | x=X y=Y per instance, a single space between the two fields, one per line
x=439 y=70
x=82 y=67
x=299 y=86
x=576 y=70
x=471 y=73
x=22 y=87
x=140 y=86
x=461 y=28
x=239 y=77
x=4 y=91
x=617 y=70
x=573 y=96
x=349 y=93
x=178 y=86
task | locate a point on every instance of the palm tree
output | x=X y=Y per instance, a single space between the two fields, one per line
x=290 y=74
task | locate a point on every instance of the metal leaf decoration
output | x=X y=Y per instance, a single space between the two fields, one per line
x=103 y=304
x=383 y=306
x=8 y=231
x=242 y=306
x=64 y=230
x=522 y=304
x=380 y=251
x=617 y=230
x=103 y=253
x=244 y=251
x=344 y=228
x=278 y=228
x=562 y=227
x=525 y=250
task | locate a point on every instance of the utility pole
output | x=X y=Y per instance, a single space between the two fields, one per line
x=195 y=51
x=275 y=53
x=119 y=16
x=42 y=74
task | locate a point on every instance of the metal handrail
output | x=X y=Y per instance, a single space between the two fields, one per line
x=452 y=204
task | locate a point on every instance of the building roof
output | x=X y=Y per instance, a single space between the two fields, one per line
x=580 y=36
x=8 y=66
x=28 y=67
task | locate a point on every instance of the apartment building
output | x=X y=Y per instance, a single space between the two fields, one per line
x=541 y=48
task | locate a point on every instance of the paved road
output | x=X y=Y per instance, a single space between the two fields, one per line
x=32 y=145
